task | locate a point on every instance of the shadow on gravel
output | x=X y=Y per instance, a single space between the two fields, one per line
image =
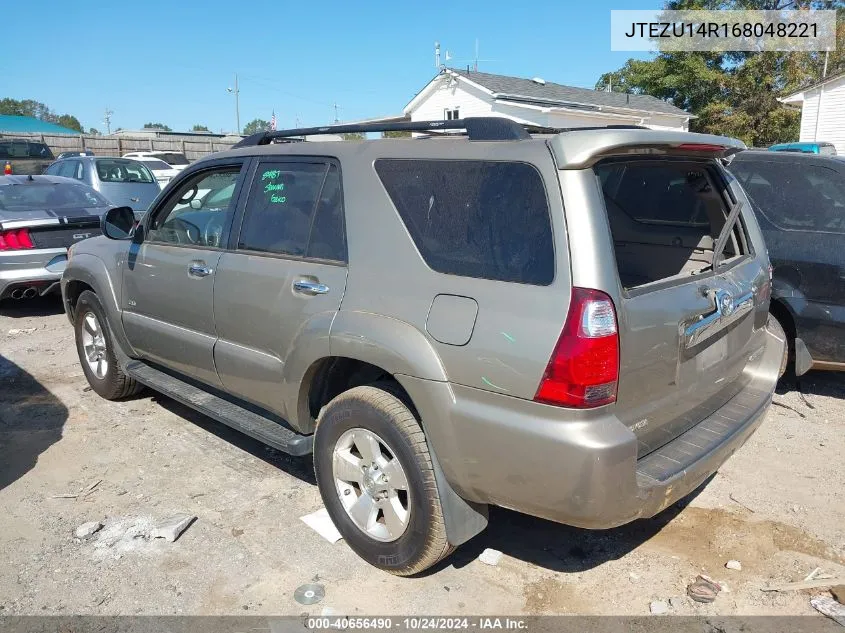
x=39 y=306
x=560 y=548
x=814 y=383
x=300 y=467
x=31 y=420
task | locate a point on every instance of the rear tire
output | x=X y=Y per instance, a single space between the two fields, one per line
x=398 y=526
x=774 y=326
x=95 y=347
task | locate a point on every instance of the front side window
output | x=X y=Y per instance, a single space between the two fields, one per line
x=475 y=218
x=280 y=209
x=200 y=212
x=795 y=197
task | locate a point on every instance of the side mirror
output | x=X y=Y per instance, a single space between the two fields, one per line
x=118 y=223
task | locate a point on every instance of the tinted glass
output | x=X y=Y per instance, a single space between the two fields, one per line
x=654 y=194
x=280 y=207
x=481 y=219
x=795 y=197
x=120 y=170
x=328 y=237
x=42 y=195
x=24 y=149
x=173 y=158
x=154 y=164
x=200 y=212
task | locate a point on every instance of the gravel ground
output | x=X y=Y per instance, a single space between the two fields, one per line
x=777 y=506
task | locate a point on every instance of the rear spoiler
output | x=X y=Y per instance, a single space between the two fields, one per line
x=84 y=220
x=579 y=149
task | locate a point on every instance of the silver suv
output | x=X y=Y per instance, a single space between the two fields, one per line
x=571 y=324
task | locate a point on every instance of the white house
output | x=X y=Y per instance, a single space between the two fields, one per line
x=455 y=94
x=822 y=111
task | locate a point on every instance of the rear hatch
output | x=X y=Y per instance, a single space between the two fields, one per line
x=694 y=286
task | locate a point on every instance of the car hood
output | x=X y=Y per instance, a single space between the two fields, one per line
x=8 y=215
x=137 y=195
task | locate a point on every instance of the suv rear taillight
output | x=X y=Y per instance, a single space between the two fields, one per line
x=583 y=371
x=15 y=239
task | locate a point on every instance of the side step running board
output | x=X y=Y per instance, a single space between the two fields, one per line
x=229 y=413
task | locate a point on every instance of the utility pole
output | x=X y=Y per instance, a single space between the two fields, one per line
x=107 y=120
x=336 y=119
x=236 y=92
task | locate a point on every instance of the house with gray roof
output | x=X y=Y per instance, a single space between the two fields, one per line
x=457 y=94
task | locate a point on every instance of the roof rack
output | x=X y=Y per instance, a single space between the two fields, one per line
x=476 y=129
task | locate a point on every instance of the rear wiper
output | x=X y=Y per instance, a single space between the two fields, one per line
x=722 y=240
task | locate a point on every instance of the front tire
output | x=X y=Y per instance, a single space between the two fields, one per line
x=377 y=482
x=96 y=350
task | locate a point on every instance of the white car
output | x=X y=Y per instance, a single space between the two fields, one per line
x=162 y=171
x=176 y=160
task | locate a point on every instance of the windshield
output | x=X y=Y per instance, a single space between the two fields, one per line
x=24 y=149
x=43 y=195
x=155 y=165
x=120 y=170
x=173 y=158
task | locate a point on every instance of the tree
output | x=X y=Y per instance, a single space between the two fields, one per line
x=94 y=131
x=199 y=128
x=733 y=93
x=354 y=136
x=157 y=126
x=255 y=126
x=396 y=135
x=71 y=122
x=30 y=107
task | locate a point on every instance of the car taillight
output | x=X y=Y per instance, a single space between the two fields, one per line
x=15 y=239
x=583 y=371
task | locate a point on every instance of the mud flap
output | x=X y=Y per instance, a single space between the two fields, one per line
x=803 y=359
x=464 y=519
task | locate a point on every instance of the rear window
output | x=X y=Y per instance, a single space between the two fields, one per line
x=117 y=170
x=656 y=195
x=152 y=163
x=795 y=197
x=24 y=149
x=173 y=158
x=49 y=196
x=473 y=218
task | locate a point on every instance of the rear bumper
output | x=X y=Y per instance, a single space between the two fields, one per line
x=580 y=468
x=38 y=267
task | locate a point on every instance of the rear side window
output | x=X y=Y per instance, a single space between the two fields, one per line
x=473 y=218
x=295 y=209
x=795 y=197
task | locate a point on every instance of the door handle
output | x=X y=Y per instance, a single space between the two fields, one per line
x=198 y=269
x=306 y=287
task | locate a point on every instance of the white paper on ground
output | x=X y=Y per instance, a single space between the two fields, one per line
x=320 y=522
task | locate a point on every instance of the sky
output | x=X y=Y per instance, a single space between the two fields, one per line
x=172 y=62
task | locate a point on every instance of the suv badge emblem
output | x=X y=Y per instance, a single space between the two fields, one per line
x=81 y=236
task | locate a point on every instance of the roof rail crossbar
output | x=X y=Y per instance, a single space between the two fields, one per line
x=477 y=129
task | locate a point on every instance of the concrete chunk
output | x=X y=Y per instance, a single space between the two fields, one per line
x=171 y=528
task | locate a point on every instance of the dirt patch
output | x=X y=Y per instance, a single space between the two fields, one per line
x=710 y=536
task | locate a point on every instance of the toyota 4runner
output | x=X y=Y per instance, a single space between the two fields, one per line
x=568 y=323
